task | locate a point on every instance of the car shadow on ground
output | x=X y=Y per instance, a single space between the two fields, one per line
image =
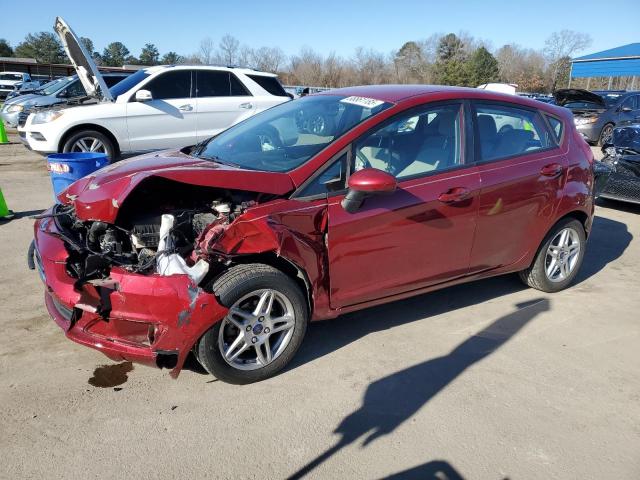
x=607 y=242
x=433 y=470
x=391 y=400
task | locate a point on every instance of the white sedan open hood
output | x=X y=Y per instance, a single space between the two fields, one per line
x=85 y=66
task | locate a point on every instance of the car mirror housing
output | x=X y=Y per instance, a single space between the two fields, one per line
x=143 y=96
x=367 y=182
x=625 y=109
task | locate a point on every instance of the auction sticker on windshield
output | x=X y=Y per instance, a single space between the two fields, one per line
x=363 y=101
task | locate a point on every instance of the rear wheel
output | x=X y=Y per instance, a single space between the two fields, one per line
x=91 y=141
x=559 y=258
x=263 y=329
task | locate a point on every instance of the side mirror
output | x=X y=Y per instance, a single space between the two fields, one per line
x=367 y=182
x=626 y=109
x=143 y=96
x=63 y=94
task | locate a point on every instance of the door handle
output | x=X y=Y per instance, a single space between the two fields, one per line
x=185 y=108
x=453 y=195
x=246 y=105
x=551 y=170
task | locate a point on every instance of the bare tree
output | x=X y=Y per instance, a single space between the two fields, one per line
x=333 y=71
x=206 y=51
x=560 y=47
x=522 y=66
x=268 y=59
x=229 y=49
x=246 y=56
x=306 y=67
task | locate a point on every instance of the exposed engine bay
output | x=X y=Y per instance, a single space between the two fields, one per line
x=155 y=231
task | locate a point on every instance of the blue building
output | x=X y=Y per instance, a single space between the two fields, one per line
x=620 y=66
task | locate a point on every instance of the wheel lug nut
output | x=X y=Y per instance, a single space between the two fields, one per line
x=254 y=339
x=261 y=319
x=248 y=328
x=266 y=330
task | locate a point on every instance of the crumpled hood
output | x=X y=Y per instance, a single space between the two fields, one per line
x=99 y=196
x=568 y=95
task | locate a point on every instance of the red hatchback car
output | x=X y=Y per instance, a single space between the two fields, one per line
x=317 y=207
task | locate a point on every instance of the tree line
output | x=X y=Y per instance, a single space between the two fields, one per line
x=446 y=59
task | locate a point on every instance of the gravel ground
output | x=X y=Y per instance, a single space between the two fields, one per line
x=481 y=381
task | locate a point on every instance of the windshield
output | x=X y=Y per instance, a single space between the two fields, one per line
x=128 y=83
x=284 y=137
x=10 y=76
x=611 y=99
x=583 y=106
x=56 y=85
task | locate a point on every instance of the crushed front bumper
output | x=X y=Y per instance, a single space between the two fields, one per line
x=149 y=319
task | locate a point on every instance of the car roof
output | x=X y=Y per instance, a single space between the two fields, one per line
x=246 y=71
x=399 y=93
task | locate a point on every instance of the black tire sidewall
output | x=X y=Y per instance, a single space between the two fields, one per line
x=208 y=349
x=539 y=266
x=109 y=146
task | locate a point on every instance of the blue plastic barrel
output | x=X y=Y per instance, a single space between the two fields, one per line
x=66 y=168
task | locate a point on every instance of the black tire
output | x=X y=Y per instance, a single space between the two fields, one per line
x=109 y=147
x=535 y=276
x=606 y=132
x=235 y=283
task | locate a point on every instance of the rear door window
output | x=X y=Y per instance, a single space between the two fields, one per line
x=505 y=131
x=168 y=85
x=218 y=84
x=270 y=84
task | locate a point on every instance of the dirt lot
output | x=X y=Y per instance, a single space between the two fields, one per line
x=481 y=381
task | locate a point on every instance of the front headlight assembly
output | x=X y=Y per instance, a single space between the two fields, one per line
x=14 y=108
x=46 y=116
x=585 y=120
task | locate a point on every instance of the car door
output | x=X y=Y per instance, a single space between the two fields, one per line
x=629 y=111
x=222 y=101
x=168 y=120
x=522 y=170
x=423 y=232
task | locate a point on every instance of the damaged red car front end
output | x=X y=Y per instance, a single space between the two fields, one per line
x=95 y=252
x=148 y=319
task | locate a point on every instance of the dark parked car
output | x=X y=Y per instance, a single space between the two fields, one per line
x=618 y=173
x=15 y=111
x=229 y=248
x=597 y=113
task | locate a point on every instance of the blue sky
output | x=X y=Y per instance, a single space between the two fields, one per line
x=326 y=26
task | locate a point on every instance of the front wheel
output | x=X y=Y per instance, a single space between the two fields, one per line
x=263 y=329
x=558 y=259
x=90 y=141
x=605 y=134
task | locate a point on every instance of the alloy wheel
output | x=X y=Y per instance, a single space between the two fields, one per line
x=317 y=125
x=88 y=144
x=562 y=255
x=607 y=132
x=257 y=329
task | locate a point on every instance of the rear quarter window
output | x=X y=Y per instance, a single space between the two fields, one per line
x=557 y=127
x=270 y=84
